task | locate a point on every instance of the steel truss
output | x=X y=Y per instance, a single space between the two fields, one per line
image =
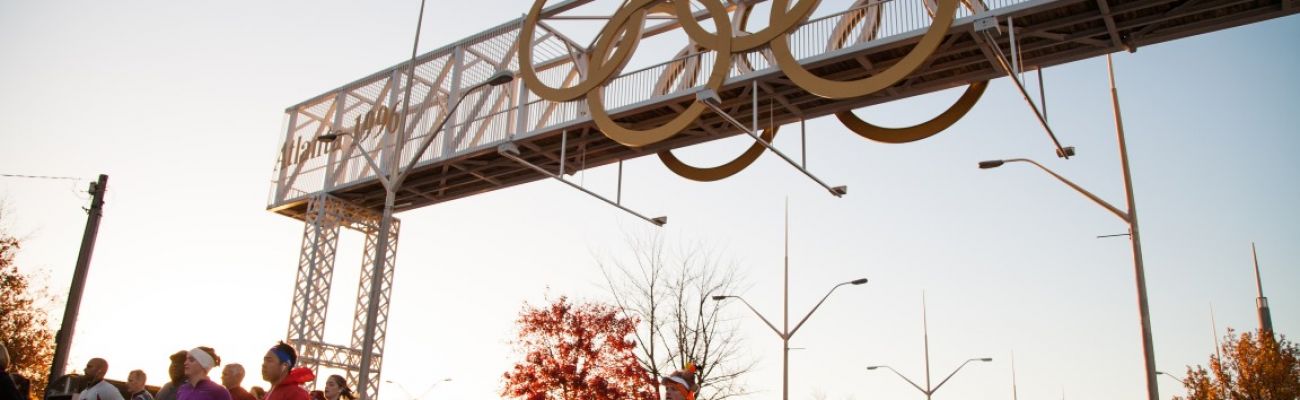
x=325 y=216
x=511 y=135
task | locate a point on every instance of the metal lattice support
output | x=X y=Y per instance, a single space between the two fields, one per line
x=363 y=304
x=325 y=216
x=315 y=273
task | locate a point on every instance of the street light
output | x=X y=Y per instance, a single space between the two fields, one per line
x=787 y=333
x=928 y=390
x=392 y=182
x=925 y=326
x=1171 y=377
x=1129 y=217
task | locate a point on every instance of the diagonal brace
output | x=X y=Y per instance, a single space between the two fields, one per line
x=991 y=44
x=710 y=99
x=511 y=151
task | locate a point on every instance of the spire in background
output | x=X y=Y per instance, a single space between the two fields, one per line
x=1015 y=393
x=1215 y=327
x=1261 y=302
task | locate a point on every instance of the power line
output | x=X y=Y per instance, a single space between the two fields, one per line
x=41 y=177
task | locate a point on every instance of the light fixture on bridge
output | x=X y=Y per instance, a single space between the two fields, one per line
x=500 y=78
x=330 y=136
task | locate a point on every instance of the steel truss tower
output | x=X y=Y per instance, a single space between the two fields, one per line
x=325 y=216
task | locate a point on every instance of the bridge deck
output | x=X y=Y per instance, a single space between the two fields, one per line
x=1049 y=32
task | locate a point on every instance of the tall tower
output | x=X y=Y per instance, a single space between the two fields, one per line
x=324 y=218
x=1261 y=302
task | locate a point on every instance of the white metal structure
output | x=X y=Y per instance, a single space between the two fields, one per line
x=331 y=185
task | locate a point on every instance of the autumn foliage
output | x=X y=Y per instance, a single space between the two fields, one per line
x=24 y=327
x=1253 y=367
x=576 y=351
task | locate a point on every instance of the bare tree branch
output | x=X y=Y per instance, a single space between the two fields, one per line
x=669 y=291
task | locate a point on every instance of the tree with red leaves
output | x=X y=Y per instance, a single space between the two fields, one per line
x=576 y=351
x=24 y=323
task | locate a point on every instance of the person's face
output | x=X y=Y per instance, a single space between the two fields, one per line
x=193 y=368
x=95 y=369
x=673 y=394
x=332 y=389
x=231 y=376
x=272 y=368
x=135 y=383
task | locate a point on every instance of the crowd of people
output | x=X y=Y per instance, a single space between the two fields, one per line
x=188 y=379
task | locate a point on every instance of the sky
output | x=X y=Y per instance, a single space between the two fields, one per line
x=181 y=103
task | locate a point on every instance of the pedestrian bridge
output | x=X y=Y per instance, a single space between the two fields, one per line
x=573 y=110
x=574 y=106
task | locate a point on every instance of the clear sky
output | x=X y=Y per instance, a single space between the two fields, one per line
x=181 y=103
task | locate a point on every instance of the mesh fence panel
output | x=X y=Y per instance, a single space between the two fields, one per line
x=492 y=115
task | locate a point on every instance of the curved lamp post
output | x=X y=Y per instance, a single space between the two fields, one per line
x=929 y=391
x=788 y=333
x=1129 y=217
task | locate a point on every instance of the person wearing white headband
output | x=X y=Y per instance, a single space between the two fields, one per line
x=197 y=386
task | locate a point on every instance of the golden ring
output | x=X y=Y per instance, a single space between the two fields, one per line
x=848 y=89
x=595 y=74
x=844 y=29
x=637 y=138
x=710 y=174
x=780 y=23
x=920 y=131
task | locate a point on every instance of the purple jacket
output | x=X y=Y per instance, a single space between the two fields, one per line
x=205 y=390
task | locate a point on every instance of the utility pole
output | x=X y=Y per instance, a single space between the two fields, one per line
x=1144 y=311
x=785 y=312
x=69 y=325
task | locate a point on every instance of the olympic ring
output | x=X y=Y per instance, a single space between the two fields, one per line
x=720 y=42
x=739 y=23
x=975 y=6
x=621 y=35
x=689 y=69
x=710 y=174
x=637 y=138
x=871 y=13
x=683 y=65
x=780 y=21
x=595 y=74
x=848 y=89
x=686 y=65
x=919 y=131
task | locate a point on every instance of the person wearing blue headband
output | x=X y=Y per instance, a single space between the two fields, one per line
x=279 y=369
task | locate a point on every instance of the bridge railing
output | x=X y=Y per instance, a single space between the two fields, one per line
x=514 y=112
